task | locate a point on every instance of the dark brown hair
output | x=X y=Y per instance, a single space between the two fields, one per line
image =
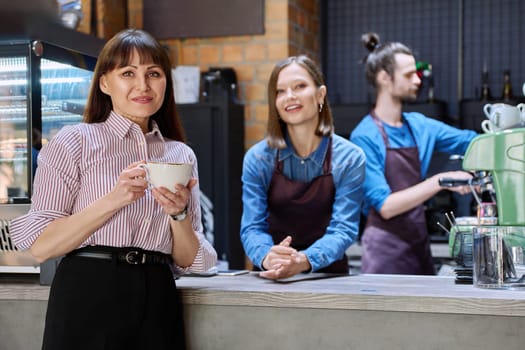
x=380 y=56
x=117 y=53
x=276 y=126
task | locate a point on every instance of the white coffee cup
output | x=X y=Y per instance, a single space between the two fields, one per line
x=500 y=116
x=167 y=174
x=521 y=108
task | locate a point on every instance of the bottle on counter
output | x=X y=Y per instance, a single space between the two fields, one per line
x=485 y=88
x=430 y=77
x=507 y=86
x=424 y=72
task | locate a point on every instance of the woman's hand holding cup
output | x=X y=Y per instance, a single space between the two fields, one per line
x=170 y=184
x=167 y=174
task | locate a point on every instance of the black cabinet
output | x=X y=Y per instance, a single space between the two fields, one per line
x=435 y=110
x=215 y=131
x=347 y=116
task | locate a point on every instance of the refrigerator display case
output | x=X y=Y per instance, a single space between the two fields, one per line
x=44 y=85
x=23 y=130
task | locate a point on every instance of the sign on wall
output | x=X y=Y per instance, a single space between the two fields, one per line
x=168 y=19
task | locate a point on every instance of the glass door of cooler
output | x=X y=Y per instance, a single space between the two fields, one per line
x=14 y=125
x=62 y=89
x=65 y=89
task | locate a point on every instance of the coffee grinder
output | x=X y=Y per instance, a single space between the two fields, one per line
x=499 y=246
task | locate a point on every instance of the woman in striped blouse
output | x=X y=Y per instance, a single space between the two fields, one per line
x=121 y=242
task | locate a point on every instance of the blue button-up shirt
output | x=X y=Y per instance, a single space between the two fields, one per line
x=430 y=135
x=348 y=171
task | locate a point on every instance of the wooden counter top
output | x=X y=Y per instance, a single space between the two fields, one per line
x=26 y=288
x=431 y=294
x=434 y=294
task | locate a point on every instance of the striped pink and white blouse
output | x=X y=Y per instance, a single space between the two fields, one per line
x=83 y=162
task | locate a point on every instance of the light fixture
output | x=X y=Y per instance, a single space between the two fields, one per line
x=70 y=12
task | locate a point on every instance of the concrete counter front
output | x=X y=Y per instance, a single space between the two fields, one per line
x=353 y=312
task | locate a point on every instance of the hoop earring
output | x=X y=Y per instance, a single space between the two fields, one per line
x=320 y=107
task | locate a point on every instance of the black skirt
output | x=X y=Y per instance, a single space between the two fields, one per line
x=98 y=303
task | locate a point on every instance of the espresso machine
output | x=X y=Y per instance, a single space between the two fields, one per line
x=502 y=154
x=498 y=246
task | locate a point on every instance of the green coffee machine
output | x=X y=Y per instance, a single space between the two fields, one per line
x=499 y=248
x=502 y=154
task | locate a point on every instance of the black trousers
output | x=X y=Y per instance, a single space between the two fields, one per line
x=101 y=304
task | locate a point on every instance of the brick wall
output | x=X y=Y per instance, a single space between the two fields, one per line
x=104 y=18
x=291 y=28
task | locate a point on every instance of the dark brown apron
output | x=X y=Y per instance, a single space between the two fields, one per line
x=400 y=245
x=303 y=210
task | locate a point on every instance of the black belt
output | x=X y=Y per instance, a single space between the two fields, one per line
x=132 y=256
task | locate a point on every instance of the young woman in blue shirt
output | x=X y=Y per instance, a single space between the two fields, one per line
x=302 y=184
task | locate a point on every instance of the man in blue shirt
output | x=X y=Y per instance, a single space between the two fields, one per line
x=301 y=185
x=398 y=148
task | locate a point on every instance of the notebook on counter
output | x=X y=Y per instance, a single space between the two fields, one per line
x=309 y=276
